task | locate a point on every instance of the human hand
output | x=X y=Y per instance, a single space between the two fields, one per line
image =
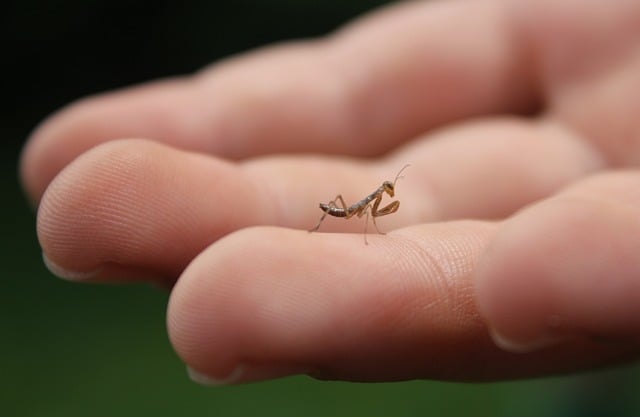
x=520 y=115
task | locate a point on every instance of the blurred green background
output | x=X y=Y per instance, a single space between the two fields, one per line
x=80 y=350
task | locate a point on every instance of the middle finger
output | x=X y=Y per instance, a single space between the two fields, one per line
x=138 y=205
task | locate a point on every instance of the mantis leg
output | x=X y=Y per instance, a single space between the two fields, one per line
x=375 y=224
x=366 y=223
x=388 y=209
x=318 y=225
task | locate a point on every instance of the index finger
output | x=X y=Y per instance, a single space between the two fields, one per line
x=360 y=92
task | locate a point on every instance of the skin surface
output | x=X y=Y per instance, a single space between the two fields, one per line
x=515 y=252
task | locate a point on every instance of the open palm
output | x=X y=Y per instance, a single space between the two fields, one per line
x=519 y=225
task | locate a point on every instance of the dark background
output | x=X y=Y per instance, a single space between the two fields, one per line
x=81 y=350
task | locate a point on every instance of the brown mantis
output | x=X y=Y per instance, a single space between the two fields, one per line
x=370 y=203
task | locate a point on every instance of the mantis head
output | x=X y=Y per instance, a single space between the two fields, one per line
x=389 y=187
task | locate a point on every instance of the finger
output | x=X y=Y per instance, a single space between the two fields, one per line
x=567 y=268
x=361 y=92
x=588 y=59
x=484 y=170
x=138 y=209
x=134 y=205
x=488 y=169
x=135 y=209
x=144 y=206
x=400 y=308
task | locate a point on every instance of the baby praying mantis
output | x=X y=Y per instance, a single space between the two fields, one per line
x=370 y=203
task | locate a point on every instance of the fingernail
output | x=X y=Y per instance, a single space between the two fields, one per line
x=65 y=274
x=526 y=346
x=244 y=374
x=203 y=379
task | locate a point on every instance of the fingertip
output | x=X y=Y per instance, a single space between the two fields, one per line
x=139 y=204
x=561 y=270
x=160 y=110
x=60 y=138
x=243 y=299
x=35 y=162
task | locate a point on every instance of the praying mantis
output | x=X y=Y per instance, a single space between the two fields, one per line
x=369 y=204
